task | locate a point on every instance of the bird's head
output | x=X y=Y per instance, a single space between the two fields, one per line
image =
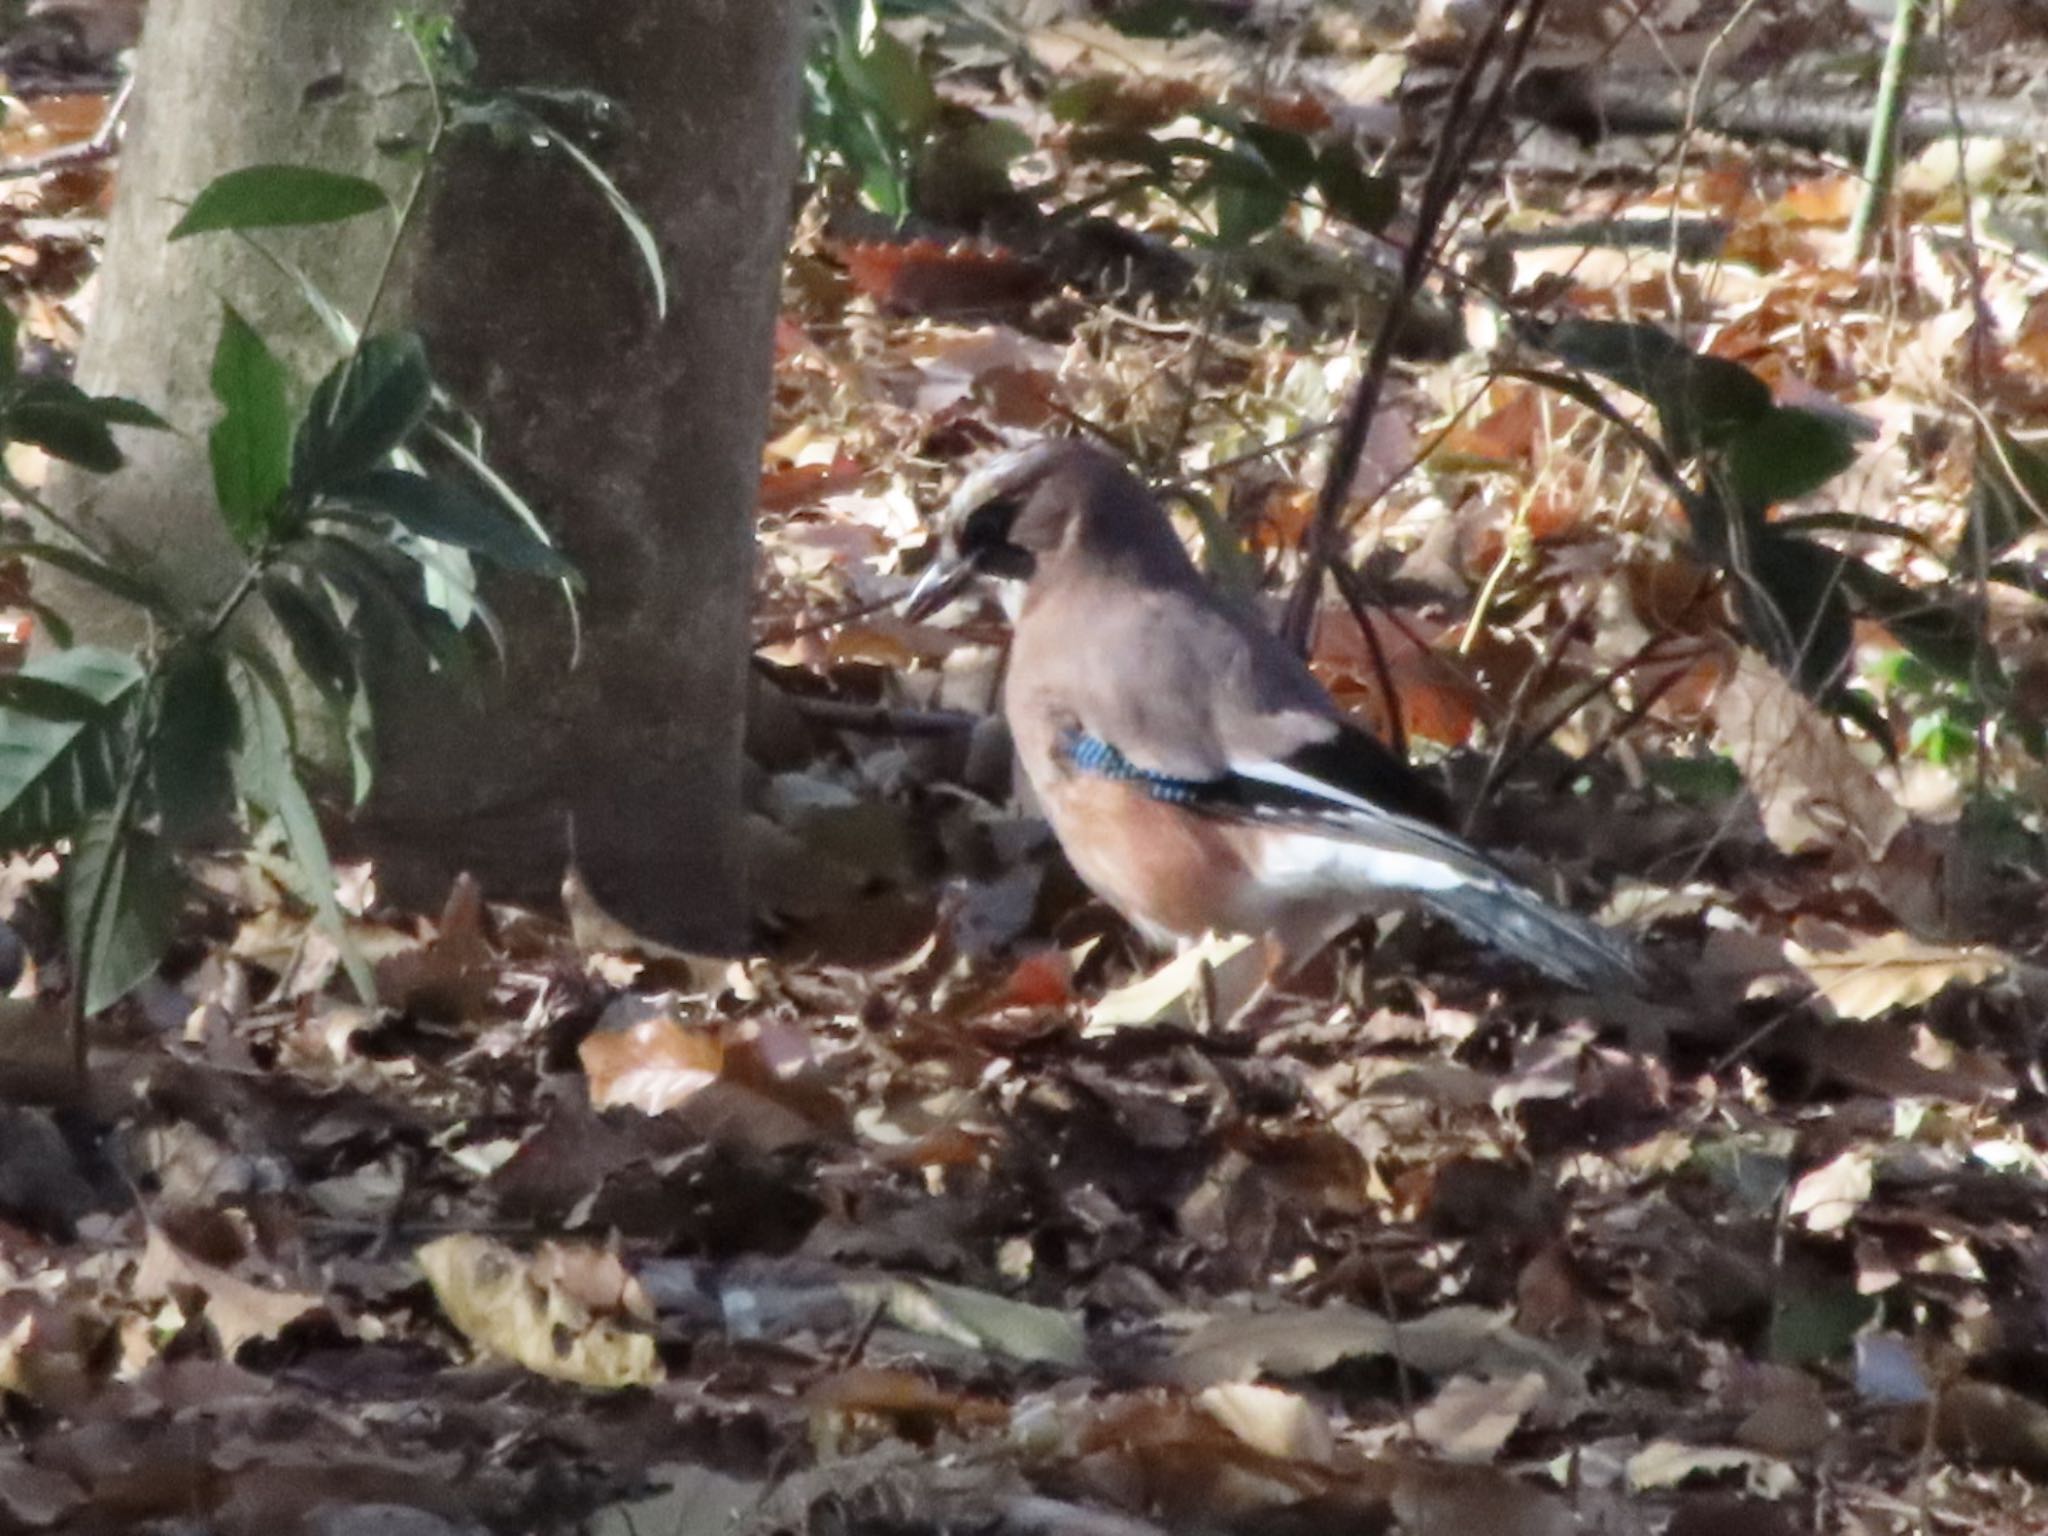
x=1057 y=500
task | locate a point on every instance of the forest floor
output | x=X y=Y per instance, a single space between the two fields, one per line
x=958 y=1209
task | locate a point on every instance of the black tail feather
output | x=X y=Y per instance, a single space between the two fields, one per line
x=1564 y=946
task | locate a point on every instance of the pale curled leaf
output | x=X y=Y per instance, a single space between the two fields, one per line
x=977 y=1319
x=495 y=1298
x=1471 y=1417
x=1892 y=970
x=1812 y=789
x=1272 y=1421
x=1672 y=1463
x=1234 y=968
x=237 y=1310
x=1829 y=1197
x=1301 y=1341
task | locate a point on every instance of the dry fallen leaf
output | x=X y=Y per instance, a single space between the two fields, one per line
x=1271 y=1420
x=1671 y=1463
x=1813 y=790
x=1231 y=969
x=1829 y=1197
x=1300 y=1341
x=1892 y=970
x=652 y=1063
x=1471 y=1417
x=504 y=1307
x=1981 y=1421
x=237 y=1310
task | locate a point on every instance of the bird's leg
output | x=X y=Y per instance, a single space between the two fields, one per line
x=1284 y=951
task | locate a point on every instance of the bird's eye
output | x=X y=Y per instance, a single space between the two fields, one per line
x=987 y=528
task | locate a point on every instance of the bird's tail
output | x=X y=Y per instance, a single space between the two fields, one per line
x=1564 y=946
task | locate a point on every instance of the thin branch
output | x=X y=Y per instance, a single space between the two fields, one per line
x=1881 y=154
x=1440 y=184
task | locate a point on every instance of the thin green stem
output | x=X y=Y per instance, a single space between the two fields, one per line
x=57 y=520
x=131 y=787
x=1881 y=155
x=95 y=907
x=407 y=210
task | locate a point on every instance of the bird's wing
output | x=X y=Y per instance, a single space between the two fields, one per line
x=1323 y=842
x=1290 y=795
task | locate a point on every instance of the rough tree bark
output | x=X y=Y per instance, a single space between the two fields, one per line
x=638 y=441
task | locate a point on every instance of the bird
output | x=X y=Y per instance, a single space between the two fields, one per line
x=1196 y=774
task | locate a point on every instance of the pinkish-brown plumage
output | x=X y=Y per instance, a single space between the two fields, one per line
x=1197 y=775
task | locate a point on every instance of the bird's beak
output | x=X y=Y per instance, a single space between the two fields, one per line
x=943 y=580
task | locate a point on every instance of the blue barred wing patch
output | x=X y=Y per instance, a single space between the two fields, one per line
x=1092 y=755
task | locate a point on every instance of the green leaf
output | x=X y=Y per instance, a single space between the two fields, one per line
x=470 y=455
x=63 y=421
x=1785 y=454
x=624 y=211
x=192 y=755
x=10 y=329
x=273 y=196
x=1940 y=629
x=1789 y=593
x=120 y=411
x=1125 y=146
x=76 y=563
x=44 y=700
x=1630 y=354
x=55 y=625
x=251 y=444
x=2008 y=501
x=886 y=74
x=1354 y=193
x=268 y=779
x=53 y=772
x=318 y=638
x=1702 y=401
x=122 y=894
x=1244 y=212
x=1859 y=523
x=365 y=408
x=1082 y=101
x=1165 y=18
x=403 y=633
x=1814 y=1324
x=1290 y=157
x=451 y=514
x=1707 y=402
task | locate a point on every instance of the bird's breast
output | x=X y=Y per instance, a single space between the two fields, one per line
x=1174 y=873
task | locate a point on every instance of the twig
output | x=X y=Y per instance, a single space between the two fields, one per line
x=1881 y=155
x=1439 y=187
x=1975 y=382
x=1354 y=599
x=789 y=632
x=1513 y=752
x=1637 y=711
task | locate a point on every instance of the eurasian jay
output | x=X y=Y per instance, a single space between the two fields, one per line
x=1194 y=771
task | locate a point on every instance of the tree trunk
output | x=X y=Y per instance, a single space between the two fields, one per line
x=638 y=441
x=222 y=84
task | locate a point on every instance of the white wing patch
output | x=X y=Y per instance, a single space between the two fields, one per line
x=1266 y=771
x=1307 y=863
